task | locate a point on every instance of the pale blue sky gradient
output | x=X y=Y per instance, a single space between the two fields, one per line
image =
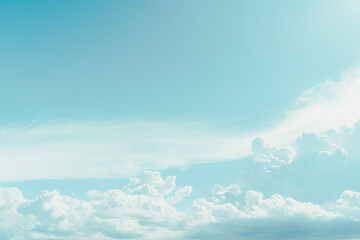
x=237 y=62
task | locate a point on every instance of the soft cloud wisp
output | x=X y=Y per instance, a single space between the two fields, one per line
x=63 y=150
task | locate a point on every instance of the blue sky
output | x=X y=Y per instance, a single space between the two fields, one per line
x=170 y=60
x=179 y=119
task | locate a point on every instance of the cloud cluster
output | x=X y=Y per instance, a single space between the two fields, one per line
x=276 y=217
x=144 y=209
x=315 y=167
x=270 y=157
x=141 y=210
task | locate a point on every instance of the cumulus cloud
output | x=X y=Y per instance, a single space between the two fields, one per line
x=275 y=217
x=348 y=205
x=270 y=157
x=153 y=180
x=140 y=210
x=320 y=145
x=255 y=206
x=180 y=194
x=315 y=166
x=230 y=193
x=144 y=209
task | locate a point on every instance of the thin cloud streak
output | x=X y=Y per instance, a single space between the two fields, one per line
x=107 y=149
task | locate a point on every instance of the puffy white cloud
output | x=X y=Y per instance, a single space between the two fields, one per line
x=277 y=206
x=270 y=157
x=319 y=145
x=348 y=205
x=154 y=180
x=180 y=194
x=320 y=166
x=14 y=225
x=255 y=206
x=230 y=193
x=140 y=210
x=276 y=217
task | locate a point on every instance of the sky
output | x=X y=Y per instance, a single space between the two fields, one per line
x=179 y=119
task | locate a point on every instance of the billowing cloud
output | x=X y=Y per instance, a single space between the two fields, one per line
x=141 y=210
x=180 y=194
x=144 y=209
x=270 y=157
x=321 y=165
x=276 y=217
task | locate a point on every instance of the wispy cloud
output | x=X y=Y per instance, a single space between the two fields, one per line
x=106 y=149
x=330 y=105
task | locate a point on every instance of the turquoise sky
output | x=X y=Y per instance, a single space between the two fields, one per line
x=238 y=62
x=252 y=105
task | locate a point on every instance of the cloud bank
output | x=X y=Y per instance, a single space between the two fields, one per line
x=145 y=209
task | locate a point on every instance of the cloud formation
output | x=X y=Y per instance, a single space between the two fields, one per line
x=113 y=149
x=140 y=210
x=62 y=150
x=144 y=209
x=300 y=186
x=323 y=166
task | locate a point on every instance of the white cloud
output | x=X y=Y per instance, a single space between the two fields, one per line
x=321 y=166
x=330 y=105
x=106 y=149
x=154 y=180
x=144 y=210
x=319 y=162
x=270 y=157
x=257 y=207
x=276 y=217
x=348 y=205
x=229 y=194
x=139 y=211
x=180 y=194
x=313 y=143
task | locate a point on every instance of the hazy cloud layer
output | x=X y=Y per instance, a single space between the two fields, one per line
x=106 y=149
